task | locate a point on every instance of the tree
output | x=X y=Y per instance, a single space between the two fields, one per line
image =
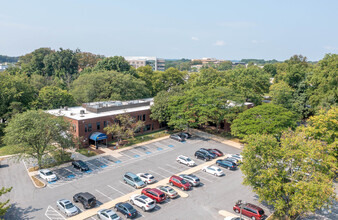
x=3 y=205
x=116 y=63
x=33 y=63
x=36 y=134
x=167 y=79
x=86 y=59
x=324 y=81
x=271 y=69
x=98 y=86
x=281 y=94
x=14 y=92
x=147 y=74
x=263 y=119
x=124 y=127
x=294 y=175
x=52 y=97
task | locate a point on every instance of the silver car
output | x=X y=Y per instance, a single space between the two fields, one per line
x=107 y=214
x=191 y=178
x=67 y=207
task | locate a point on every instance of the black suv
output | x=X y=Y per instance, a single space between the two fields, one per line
x=88 y=200
x=202 y=155
x=79 y=164
x=126 y=209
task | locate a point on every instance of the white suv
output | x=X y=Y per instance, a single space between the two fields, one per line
x=67 y=207
x=146 y=177
x=47 y=175
x=142 y=201
x=213 y=170
x=185 y=160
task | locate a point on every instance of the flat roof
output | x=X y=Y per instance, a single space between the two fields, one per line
x=75 y=112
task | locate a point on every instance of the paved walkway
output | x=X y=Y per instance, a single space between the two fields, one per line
x=216 y=138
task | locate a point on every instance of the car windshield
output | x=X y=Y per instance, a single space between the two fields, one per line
x=81 y=163
x=137 y=179
x=114 y=216
x=261 y=212
x=218 y=169
x=49 y=173
x=188 y=159
x=152 y=202
x=171 y=191
x=162 y=195
x=183 y=181
x=91 y=200
x=151 y=177
x=69 y=206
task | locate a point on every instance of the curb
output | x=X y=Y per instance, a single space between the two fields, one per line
x=39 y=187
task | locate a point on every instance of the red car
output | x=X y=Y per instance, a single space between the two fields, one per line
x=154 y=194
x=217 y=152
x=252 y=211
x=179 y=182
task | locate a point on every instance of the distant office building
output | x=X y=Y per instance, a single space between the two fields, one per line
x=206 y=60
x=154 y=62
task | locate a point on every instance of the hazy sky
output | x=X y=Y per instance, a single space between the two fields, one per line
x=235 y=29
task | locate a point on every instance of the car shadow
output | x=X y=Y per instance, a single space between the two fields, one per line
x=15 y=212
x=4 y=165
x=157 y=208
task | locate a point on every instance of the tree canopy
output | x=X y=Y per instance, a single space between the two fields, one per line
x=36 y=133
x=3 y=205
x=263 y=119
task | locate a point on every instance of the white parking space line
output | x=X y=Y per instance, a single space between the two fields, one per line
x=203 y=178
x=70 y=171
x=103 y=160
x=116 y=189
x=126 y=155
x=151 y=171
x=166 y=170
x=138 y=152
x=174 y=167
x=103 y=194
x=127 y=185
x=52 y=214
x=96 y=167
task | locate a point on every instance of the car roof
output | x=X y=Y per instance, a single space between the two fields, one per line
x=183 y=156
x=253 y=206
x=64 y=201
x=127 y=205
x=177 y=177
x=44 y=170
x=130 y=174
x=87 y=195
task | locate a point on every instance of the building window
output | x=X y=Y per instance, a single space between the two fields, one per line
x=137 y=130
x=146 y=128
x=105 y=124
x=89 y=127
x=86 y=128
x=74 y=127
x=144 y=117
x=152 y=126
x=98 y=126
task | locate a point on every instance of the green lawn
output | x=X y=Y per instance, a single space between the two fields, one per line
x=144 y=138
x=86 y=152
x=6 y=150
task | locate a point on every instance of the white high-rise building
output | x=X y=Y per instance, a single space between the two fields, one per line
x=154 y=62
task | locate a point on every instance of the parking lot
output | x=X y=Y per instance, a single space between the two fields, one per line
x=104 y=181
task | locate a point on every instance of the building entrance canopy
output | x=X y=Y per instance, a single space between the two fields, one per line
x=96 y=136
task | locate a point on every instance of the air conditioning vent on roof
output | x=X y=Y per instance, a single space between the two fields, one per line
x=82 y=112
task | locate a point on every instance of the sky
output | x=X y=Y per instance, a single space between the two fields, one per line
x=231 y=30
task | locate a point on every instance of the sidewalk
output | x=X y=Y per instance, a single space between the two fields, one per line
x=216 y=138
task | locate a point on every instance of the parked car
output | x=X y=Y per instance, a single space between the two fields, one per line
x=191 y=178
x=47 y=175
x=238 y=156
x=186 y=135
x=179 y=182
x=227 y=164
x=126 y=209
x=154 y=194
x=142 y=201
x=233 y=218
x=252 y=211
x=170 y=192
x=67 y=207
x=218 y=153
x=202 y=155
x=177 y=137
x=185 y=160
x=232 y=159
x=213 y=170
x=146 y=177
x=212 y=155
x=133 y=180
x=107 y=214
x=79 y=164
x=88 y=200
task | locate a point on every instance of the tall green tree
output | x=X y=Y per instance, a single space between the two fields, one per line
x=52 y=97
x=3 y=205
x=168 y=79
x=33 y=63
x=282 y=94
x=263 y=119
x=36 y=133
x=294 y=175
x=117 y=63
x=124 y=127
x=87 y=60
x=106 y=85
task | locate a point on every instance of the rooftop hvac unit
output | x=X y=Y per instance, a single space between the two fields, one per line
x=66 y=108
x=82 y=112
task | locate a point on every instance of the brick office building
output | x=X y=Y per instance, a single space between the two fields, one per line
x=89 y=120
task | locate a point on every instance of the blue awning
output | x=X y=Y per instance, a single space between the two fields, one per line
x=96 y=136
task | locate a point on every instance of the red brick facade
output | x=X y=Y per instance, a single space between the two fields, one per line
x=81 y=128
